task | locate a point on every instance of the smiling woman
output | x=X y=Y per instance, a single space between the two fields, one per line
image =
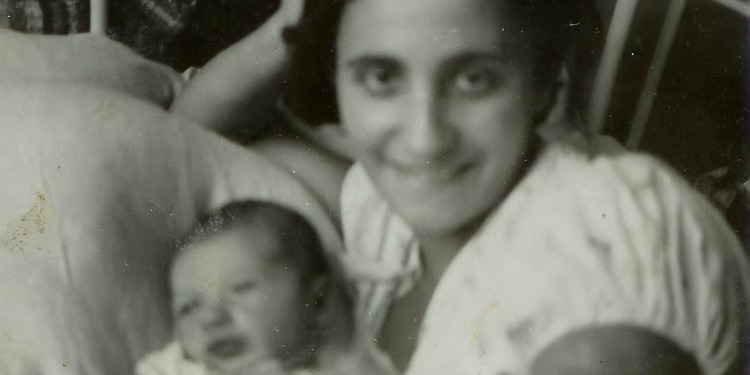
x=444 y=116
x=476 y=235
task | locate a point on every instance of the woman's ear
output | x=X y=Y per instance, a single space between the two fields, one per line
x=320 y=301
x=317 y=291
x=334 y=138
x=553 y=100
x=333 y=310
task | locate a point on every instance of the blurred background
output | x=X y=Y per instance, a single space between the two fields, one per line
x=699 y=118
x=699 y=121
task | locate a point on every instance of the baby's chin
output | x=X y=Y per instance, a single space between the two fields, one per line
x=248 y=364
x=230 y=356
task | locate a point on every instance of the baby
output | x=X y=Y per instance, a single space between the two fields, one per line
x=586 y=351
x=252 y=292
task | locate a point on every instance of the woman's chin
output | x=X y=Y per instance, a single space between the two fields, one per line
x=434 y=221
x=441 y=213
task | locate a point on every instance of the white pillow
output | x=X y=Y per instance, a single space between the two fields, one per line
x=96 y=187
x=89 y=59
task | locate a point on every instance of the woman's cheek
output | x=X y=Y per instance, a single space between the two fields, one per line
x=365 y=119
x=492 y=118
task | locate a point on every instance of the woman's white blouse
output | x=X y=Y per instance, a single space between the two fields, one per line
x=582 y=240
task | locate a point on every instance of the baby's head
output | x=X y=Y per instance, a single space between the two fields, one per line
x=247 y=286
x=616 y=350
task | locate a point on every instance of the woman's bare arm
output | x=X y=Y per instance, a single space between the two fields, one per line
x=242 y=83
x=321 y=171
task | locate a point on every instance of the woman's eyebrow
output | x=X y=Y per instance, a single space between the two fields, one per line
x=455 y=63
x=504 y=58
x=369 y=60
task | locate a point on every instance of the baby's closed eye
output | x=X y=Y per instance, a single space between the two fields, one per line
x=186 y=308
x=244 y=286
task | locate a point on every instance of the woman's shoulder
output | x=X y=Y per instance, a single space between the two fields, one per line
x=633 y=205
x=600 y=168
x=633 y=190
x=613 y=186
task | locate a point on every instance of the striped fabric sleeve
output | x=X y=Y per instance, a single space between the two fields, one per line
x=45 y=16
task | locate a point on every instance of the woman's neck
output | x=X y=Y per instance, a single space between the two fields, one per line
x=439 y=250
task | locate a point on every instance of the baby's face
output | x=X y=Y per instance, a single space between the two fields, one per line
x=233 y=304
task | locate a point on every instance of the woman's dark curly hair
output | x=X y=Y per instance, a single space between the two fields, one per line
x=564 y=32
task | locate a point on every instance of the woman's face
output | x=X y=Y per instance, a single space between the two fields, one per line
x=438 y=96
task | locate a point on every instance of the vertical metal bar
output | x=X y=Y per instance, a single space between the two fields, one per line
x=98 y=18
x=658 y=62
x=617 y=35
x=737 y=6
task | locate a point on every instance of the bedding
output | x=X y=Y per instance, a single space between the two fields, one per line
x=96 y=189
x=85 y=59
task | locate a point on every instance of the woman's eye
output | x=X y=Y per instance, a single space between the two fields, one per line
x=187 y=308
x=378 y=80
x=244 y=286
x=476 y=81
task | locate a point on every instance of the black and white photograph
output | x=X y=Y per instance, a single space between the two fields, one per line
x=375 y=187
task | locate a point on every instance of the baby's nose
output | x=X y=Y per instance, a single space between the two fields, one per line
x=215 y=316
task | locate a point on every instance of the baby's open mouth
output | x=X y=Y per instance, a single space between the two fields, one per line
x=227 y=347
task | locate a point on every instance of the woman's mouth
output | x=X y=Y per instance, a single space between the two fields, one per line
x=432 y=174
x=226 y=348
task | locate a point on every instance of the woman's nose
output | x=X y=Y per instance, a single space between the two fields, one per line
x=215 y=316
x=426 y=134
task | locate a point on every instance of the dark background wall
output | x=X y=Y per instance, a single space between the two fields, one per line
x=700 y=116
